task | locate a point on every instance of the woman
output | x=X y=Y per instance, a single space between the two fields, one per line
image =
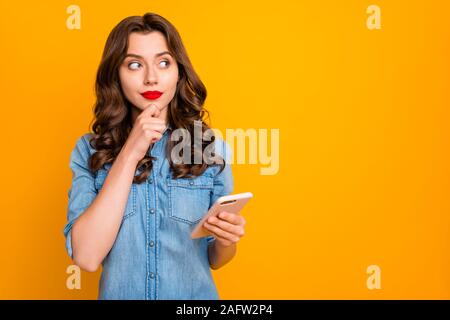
x=131 y=206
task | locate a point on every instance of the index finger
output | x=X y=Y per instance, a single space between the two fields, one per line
x=231 y=217
x=152 y=110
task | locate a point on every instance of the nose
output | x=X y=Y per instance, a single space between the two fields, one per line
x=150 y=77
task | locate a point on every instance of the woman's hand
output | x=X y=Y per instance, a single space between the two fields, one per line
x=147 y=129
x=227 y=227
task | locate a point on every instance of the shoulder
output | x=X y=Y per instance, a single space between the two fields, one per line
x=83 y=146
x=222 y=152
x=222 y=148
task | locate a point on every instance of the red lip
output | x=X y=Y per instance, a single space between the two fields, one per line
x=151 y=95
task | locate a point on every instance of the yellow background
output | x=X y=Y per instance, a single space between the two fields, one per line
x=364 y=129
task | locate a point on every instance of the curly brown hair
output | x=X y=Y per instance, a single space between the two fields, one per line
x=112 y=121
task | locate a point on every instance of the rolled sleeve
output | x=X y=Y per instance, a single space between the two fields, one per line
x=82 y=191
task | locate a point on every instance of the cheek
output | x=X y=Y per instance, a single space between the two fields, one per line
x=129 y=83
x=170 y=82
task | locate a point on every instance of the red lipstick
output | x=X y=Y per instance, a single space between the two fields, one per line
x=151 y=95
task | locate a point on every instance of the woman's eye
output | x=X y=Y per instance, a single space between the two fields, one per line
x=167 y=63
x=134 y=65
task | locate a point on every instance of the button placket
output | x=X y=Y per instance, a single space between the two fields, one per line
x=152 y=232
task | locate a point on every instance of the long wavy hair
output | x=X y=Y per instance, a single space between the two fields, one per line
x=112 y=111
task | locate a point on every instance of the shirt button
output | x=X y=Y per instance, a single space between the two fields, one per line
x=151 y=180
x=152 y=211
x=191 y=183
x=151 y=244
x=151 y=275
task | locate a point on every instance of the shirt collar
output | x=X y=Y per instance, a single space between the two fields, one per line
x=168 y=129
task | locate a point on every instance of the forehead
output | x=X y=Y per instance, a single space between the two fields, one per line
x=147 y=45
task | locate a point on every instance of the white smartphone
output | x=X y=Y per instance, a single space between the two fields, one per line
x=232 y=203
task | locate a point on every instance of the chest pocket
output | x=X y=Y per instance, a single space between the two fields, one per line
x=189 y=198
x=130 y=208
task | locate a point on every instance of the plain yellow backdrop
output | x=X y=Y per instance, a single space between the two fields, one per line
x=364 y=154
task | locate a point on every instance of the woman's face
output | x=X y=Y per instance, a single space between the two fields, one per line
x=148 y=66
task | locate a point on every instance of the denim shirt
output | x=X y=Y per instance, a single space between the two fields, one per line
x=153 y=256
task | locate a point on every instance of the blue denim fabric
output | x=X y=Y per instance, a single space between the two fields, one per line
x=153 y=256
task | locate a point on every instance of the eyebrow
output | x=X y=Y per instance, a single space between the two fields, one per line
x=141 y=57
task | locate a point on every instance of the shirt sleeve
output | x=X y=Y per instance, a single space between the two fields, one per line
x=82 y=191
x=223 y=181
